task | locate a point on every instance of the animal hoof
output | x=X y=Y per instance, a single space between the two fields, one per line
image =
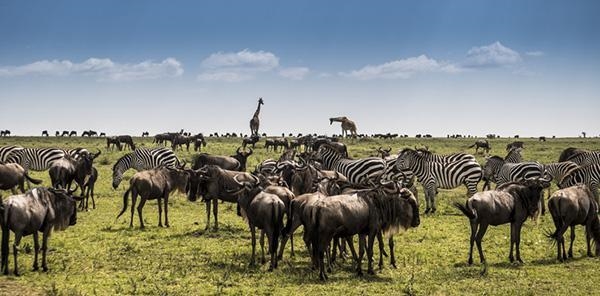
x=393 y=265
x=433 y=210
x=45 y=269
x=427 y=211
x=371 y=272
x=35 y=268
x=470 y=261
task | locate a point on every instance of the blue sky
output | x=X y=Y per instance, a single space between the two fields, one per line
x=439 y=67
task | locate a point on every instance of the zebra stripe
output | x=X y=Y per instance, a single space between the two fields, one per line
x=5 y=151
x=559 y=170
x=359 y=171
x=586 y=158
x=514 y=156
x=392 y=173
x=434 y=175
x=444 y=158
x=143 y=159
x=35 y=159
x=510 y=172
x=588 y=175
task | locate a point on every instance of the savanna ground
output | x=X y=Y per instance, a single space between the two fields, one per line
x=103 y=256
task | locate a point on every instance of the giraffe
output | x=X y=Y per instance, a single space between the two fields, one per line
x=255 y=122
x=347 y=125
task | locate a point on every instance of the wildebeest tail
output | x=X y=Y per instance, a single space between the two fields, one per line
x=125 y=201
x=5 y=233
x=472 y=145
x=554 y=209
x=32 y=180
x=289 y=213
x=277 y=216
x=315 y=216
x=465 y=209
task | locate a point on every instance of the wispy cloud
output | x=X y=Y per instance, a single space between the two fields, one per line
x=246 y=65
x=102 y=69
x=535 y=53
x=403 y=68
x=493 y=55
x=294 y=73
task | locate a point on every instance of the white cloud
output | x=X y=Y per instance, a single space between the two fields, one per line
x=225 y=76
x=294 y=73
x=493 y=55
x=102 y=69
x=404 y=68
x=237 y=66
x=536 y=53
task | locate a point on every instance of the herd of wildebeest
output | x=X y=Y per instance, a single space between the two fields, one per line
x=314 y=184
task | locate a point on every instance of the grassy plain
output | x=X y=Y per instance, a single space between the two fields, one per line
x=103 y=256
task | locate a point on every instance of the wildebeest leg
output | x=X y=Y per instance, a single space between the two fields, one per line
x=474 y=226
x=262 y=247
x=392 y=255
x=381 y=249
x=253 y=234
x=361 y=253
x=16 y=243
x=207 y=201
x=45 y=237
x=159 y=203
x=543 y=204
x=572 y=239
x=351 y=247
x=336 y=246
x=139 y=209
x=370 y=252
x=588 y=238
x=36 y=247
x=133 y=201
x=518 y=241
x=166 y=206
x=513 y=239
x=291 y=246
x=480 y=233
x=90 y=193
x=328 y=254
x=215 y=212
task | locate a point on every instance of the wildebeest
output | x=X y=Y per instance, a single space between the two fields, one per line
x=37 y=210
x=88 y=190
x=224 y=162
x=154 y=184
x=64 y=133
x=12 y=175
x=513 y=145
x=570 y=207
x=242 y=158
x=482 y=143
x=127 y=140
x=365 y=213
x=510 y=203
x=102 y=134
x=145 y=134
x=250 y=140
x=265 y=211
x=4 y=133
x=45 y=133
x=180 y=140
x=542 y=139
x=68 y=169
x=199 y=142
x=112 y=142
x=73 y=134
x=213 y=183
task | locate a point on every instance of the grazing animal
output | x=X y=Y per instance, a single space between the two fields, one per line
x=45 y=133
x=13 y=175
x=127 y=140
x=199 y=142
x=582 y=157
x=483 y=144
x=57 y=134
x=68 y=169
x=35 y=159
x=88 y=190
x=366 y=213
x=570 y=207
x=347 y=125
x=73 y=134
x=37 y=210
x=102 y=134
x=542 y=139
x=143 y=159
x=255 y=121
x=242 y=158
x=588 y=175
x=224 y=162
x=113 y=142
x=515 y=144
x=4 y=133
x=214 y=183
x=262 y=210
x=510 y=203
x=434 y=175
x=64 y=133
x=359 y=171
x=181 y=140
x=145 y=134
x=154 y=184
x=5 y=151
x=252 y=140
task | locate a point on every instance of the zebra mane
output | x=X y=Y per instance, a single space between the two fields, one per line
x=124 y=158
x=406 y=150
x=496 y=157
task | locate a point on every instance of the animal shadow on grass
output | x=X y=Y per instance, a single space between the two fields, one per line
x=224 y=231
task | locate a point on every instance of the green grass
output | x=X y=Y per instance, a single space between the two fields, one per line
x=103 y=256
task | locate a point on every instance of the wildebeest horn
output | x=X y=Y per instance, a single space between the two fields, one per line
x=183 y=165
x=250 y=151
x=389 y=149
x=69 y=192
x=379 y=149
x=97 y=154
x=238 y=150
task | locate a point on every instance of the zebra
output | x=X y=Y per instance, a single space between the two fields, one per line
x=514 y=156
x=143 y=159
x=559 y=170
x=360 y=171
x=76 y=152
x=499 y=171
x=588 y=175
x=5 y=151
x=586 y=158
x=444 y=158
x=434 y=175
x=35 y=159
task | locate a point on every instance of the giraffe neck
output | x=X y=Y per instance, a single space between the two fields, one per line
x=257 y=110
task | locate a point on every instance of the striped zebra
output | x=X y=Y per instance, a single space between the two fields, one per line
x=559 y=170
x=499 y=171
x=360 y=171
x=434 y=175
x=585 y=158
x=514 y=155
x=77 y=152
x=143 y=159
x=35 y=159
x=444 y=158
x=588 y=175
x=5 y=151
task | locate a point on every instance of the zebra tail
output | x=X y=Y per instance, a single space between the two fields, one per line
x=465 y=210
x=125 y=201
